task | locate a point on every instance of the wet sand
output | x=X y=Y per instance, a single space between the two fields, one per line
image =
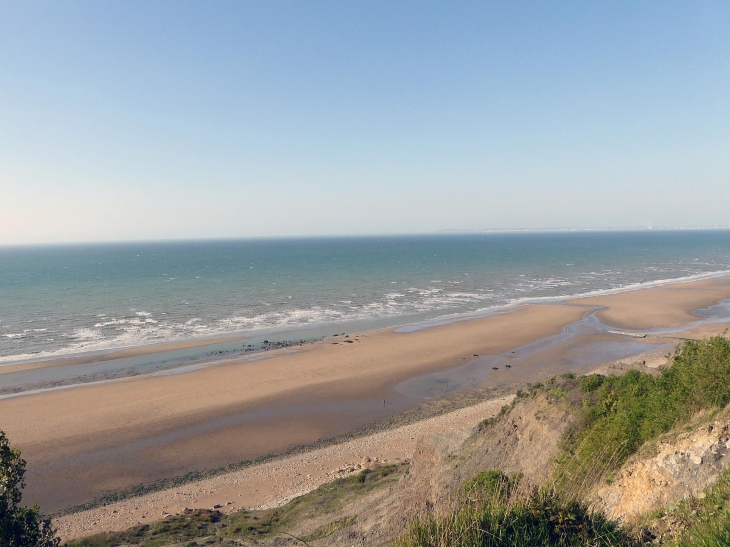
x=84 y=441
x=274 y=483
x=96 y=357
x=90 y=439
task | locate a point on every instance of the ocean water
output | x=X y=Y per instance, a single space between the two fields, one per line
x=66 y=299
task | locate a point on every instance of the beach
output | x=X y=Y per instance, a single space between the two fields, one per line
x=111 y=355
x=87 y=440
x=274 y=483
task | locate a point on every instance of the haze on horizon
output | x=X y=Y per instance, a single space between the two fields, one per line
x=168 y=120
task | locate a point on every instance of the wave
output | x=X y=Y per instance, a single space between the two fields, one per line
x=141 y=328
x=525 y=301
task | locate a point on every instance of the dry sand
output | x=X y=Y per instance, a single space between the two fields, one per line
x=667 y=306
x=84 y=441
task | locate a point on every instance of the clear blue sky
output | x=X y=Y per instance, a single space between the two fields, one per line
x=150 y=120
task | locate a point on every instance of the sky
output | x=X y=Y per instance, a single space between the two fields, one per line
x=137 y=120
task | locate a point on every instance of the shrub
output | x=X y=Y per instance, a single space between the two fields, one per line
x=567 y=376
x=620 y=413
x=20 y=526
x=591 y=382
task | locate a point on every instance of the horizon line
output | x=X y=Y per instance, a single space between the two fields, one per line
x=445 y=231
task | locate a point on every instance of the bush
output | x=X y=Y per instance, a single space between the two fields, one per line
x=20 y=526
x=620 y=413
x=591 y=383
x=489 y=484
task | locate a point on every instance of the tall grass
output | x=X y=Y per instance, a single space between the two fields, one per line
x=711 y=534
x=621 y=413
x=617 y=415
x=539 y=518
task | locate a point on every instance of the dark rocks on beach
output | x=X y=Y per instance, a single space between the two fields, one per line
x=495 y=368
x=508 y=366
x=267 y=346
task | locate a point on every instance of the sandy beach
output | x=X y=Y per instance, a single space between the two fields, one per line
x=274 y=483
x=84 y=441
x=662 y=307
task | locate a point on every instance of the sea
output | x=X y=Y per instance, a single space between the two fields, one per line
x=65 y=300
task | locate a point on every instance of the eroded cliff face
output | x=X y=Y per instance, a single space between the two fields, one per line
x=674 y=468
x=527 y=440
x=523 y=441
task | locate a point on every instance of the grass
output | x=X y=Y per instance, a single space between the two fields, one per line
x=200 y=527
x=617 y=415
x=716 y=534
x=539 y=518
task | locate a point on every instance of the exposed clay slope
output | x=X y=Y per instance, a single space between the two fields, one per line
x=675 y=467
x=523 y=441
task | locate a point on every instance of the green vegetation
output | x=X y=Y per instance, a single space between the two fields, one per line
x=716 y=534
x=20 y=526
x=538 y=519
x=201 y=527
x=620 y=413
x=489 y=484
x=616 y=416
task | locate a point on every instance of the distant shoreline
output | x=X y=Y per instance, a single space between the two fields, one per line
x=100 y=303
x=84 y=441
x=84 y=358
